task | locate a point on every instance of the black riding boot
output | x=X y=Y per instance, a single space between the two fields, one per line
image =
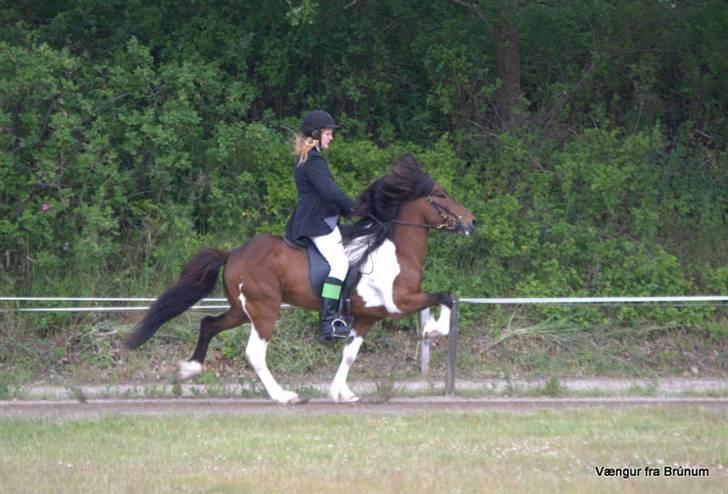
x=330 y=325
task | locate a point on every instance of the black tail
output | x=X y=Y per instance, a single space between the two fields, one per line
x=197 y=280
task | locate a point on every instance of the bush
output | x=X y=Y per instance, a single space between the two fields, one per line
x=113 y=173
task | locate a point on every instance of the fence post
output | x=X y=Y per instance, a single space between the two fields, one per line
x=452 y=348
x=425 y=357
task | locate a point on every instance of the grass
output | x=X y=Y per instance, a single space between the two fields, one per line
x=544 y=451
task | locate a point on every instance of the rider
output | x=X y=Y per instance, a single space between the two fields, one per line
x=320 y=204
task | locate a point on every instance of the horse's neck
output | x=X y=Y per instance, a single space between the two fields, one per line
x=411 y=242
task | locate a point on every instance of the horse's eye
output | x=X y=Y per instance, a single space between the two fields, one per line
x=440 y=194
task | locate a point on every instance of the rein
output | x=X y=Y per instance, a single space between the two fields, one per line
x=450 y=221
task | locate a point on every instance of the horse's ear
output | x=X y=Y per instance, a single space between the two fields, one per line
x=406 y=162
x=409 y=160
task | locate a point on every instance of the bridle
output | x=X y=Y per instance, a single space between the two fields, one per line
x=450 y=220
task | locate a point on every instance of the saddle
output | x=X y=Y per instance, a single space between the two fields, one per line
x=319 y=268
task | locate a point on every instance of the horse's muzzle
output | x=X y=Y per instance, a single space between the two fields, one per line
x=467 y=227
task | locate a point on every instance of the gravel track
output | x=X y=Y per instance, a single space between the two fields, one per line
x=84 y=402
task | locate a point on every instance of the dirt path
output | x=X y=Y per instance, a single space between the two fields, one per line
x=83 y=402
x=69 y=410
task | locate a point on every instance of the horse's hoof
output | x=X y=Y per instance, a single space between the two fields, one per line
x=431 y=329
x=345 y=398
x=187 y=370
x=298 y=401
x=288 y=398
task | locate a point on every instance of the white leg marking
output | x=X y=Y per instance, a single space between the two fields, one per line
x=339 y=391
x=439 y=326
x=255 y=352
x=187 y=370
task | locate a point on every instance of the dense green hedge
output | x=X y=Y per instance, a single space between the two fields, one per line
x=131 y=138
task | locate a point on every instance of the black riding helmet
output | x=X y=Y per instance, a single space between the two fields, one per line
x=315 y=121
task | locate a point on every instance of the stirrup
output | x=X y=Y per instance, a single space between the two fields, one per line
x=341 y=329
x=337 y=329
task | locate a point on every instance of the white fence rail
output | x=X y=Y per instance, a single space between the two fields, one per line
x=206 y=304
x=221 y=303
x=597 y=300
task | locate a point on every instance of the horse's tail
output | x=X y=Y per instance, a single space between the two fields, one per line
x=197 y=280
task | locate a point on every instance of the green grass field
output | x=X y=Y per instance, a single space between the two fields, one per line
x=544 y=451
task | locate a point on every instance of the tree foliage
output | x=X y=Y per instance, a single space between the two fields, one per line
x=135 y=132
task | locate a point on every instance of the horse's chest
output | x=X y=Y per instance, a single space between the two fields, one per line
x=376 y=286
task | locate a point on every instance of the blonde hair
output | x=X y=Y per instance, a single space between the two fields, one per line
x=302 y=145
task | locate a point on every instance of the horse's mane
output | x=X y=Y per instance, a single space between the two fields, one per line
x=379 y=204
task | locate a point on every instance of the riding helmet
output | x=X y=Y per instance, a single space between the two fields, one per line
x=316 y=120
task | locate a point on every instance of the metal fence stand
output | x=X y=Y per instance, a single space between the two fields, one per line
x=452 y=348
x=425 y=355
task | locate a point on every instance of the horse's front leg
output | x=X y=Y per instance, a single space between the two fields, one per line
x=415 y=302
x=339 y=391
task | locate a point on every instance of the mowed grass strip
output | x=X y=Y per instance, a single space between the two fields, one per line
x=541 y=451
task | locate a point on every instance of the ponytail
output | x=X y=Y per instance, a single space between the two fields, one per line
x=302 y=145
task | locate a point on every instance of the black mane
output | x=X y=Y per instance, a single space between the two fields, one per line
x=379 y=204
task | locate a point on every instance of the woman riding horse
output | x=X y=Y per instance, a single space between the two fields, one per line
x=320 y=203
x=388 y=247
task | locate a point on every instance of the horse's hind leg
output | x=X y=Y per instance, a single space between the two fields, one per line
x=262 y=319
x=209 y=327
x=255 y=353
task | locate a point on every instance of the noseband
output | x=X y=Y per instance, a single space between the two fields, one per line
x=450 y=221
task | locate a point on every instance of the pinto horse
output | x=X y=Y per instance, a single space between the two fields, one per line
x=388 y=246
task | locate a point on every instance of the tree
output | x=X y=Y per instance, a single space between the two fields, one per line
x=501 y=19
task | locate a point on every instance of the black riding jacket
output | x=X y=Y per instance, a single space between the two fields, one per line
x=318 y=199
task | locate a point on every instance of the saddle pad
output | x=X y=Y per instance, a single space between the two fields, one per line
x=319 y=268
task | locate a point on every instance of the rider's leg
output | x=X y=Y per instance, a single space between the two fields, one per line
x=332 y=249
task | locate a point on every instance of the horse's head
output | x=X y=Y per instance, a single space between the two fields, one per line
x=409 y=196
x=439 y=210
x=426 y=203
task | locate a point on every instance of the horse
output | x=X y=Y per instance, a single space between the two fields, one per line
x=387 y=244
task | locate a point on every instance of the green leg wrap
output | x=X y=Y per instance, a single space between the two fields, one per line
x=331 y=291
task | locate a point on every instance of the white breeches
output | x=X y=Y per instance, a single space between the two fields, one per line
x=332 y=248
